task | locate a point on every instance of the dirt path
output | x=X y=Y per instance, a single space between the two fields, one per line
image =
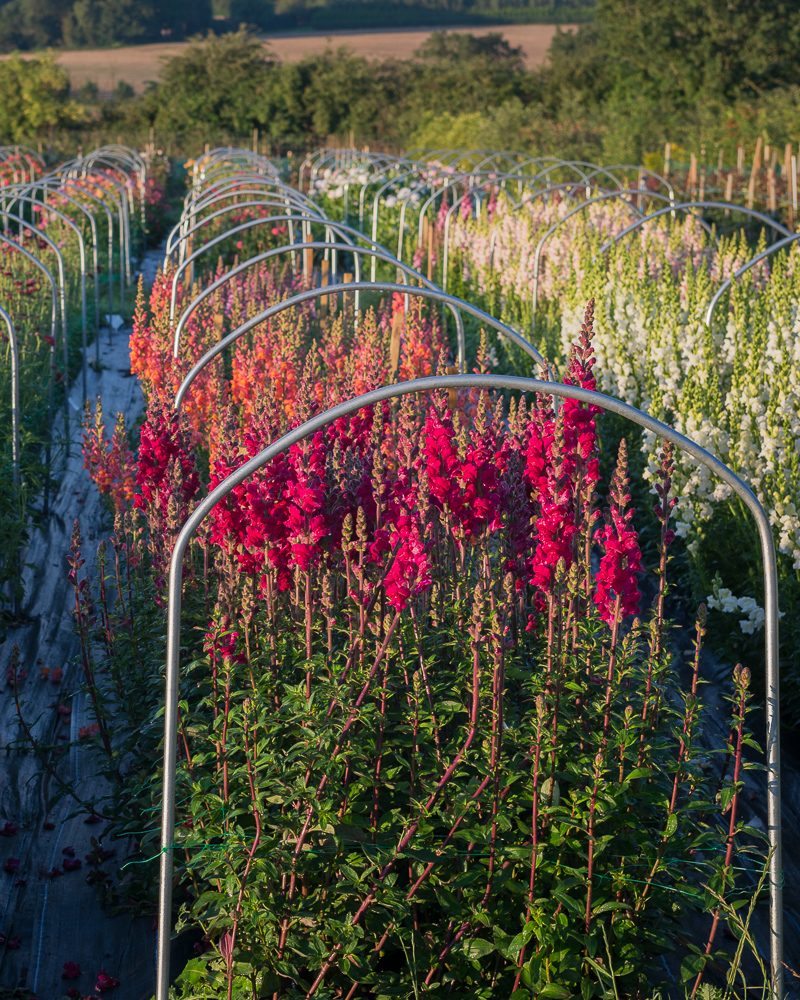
x=59 y=919
x=139 y=63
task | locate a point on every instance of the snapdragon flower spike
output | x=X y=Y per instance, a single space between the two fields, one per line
x=562 y=467
x=111 y=465
x=616 y=579
x=162 y=439
x=663 y=509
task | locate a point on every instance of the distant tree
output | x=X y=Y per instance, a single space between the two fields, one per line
x=214 y=84
x=88 y=93
x=257 y=12
x=34 y=94
x=458 y=47
x=183 y=17
x=32 y=24
x=676 y=51
x=93 y=23
x=123 y=91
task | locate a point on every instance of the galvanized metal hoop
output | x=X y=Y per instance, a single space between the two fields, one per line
x=781 y=244
x=433 y=383
x=384 y=286
x=684 y=206
x=407 y=272
x=13 y=344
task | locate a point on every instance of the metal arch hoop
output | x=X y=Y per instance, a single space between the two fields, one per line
x=250 y=224
x=14 y=348
x=124 y=203
x=49 y=274
x=569 y=187
x=433 y=383
x=743 y=269
x=269 y=203
x=197 y=194
x=313 y=293
x=229 y=187
x=77 y=186
x=247 y=186
x=446 y=241
x=82 y=248
x=306 y=219
x=61 y=282
x=685 y=205
x=93 y=227
x=642 y=171
x=53 y=335
x=376 y=201
x=408 y=272
x=555 y=226
x=84 y=183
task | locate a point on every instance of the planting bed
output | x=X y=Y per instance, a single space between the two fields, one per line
x=459 y=708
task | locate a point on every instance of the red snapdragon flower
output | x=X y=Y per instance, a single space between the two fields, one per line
x=616 y=581
x=105 y=982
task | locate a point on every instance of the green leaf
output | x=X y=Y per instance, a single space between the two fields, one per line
x=478 y=948
x=555 y=991
x=672 y=825
x=691 y=966
x=604 y=907
x=448 y=901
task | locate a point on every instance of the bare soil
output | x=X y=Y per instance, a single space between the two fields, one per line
x=137 y=64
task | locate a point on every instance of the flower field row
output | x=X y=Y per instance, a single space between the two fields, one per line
x=732 y=387
x=431 y=736
x=64 y=259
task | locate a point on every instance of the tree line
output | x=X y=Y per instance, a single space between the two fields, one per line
x=643 y=71
x=36 y=24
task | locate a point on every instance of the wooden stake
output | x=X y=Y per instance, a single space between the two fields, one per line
x=757 y=154
x=693 y=172
x=720 y=159
x=398 y=321
x=702 y=193
x=325 y=272
x=772 y=200
x=255 y=140
x=787 y=166
x=751 y=187
x=308 y=259
x=667 y=158
x=729 y=191
x=740 y=159
x=430 y=252
x=452 y=394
